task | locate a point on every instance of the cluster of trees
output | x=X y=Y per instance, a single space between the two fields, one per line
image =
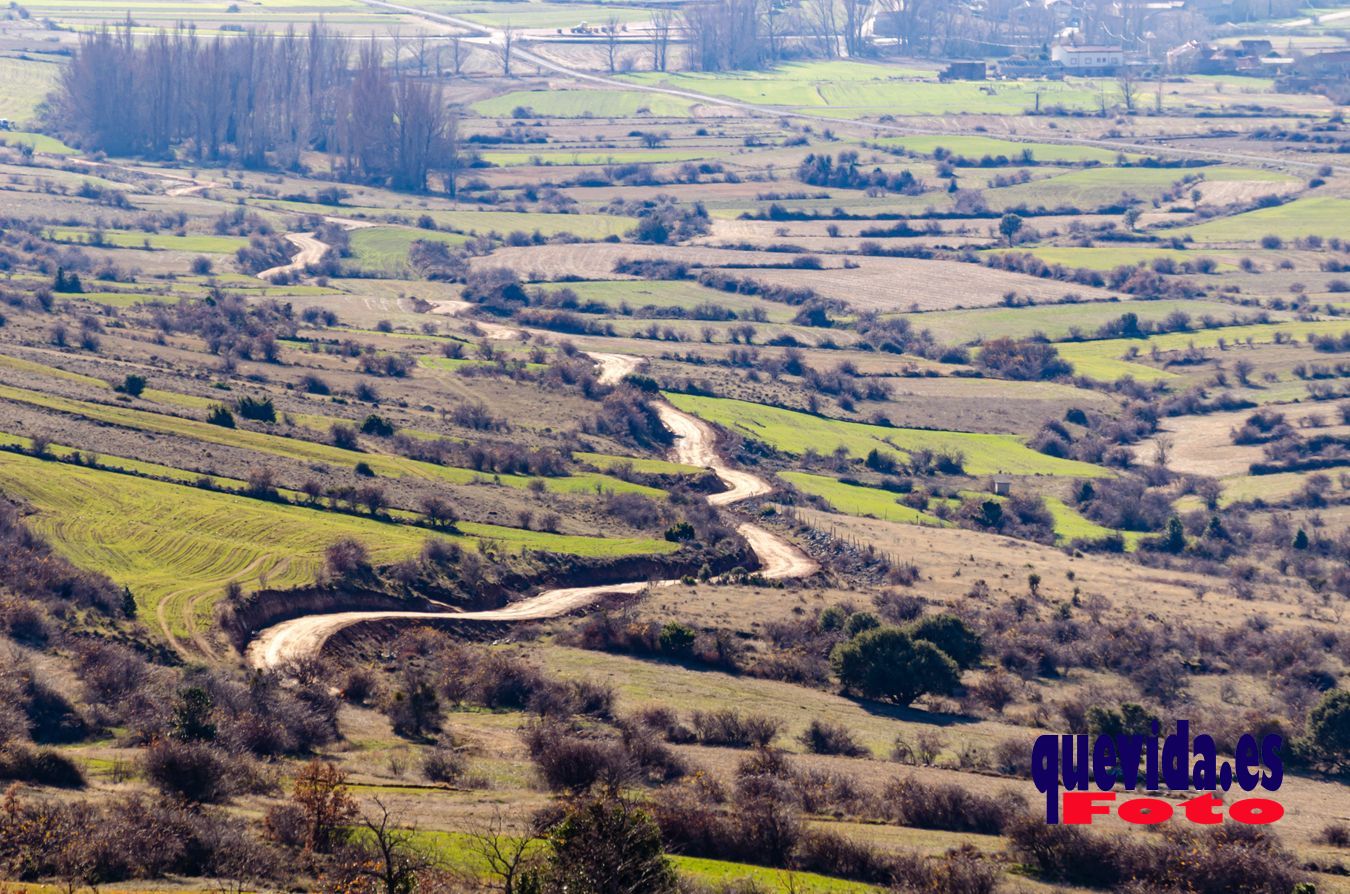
x=822 y=170
x=260 y=100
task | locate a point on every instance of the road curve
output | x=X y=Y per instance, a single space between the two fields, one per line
x=695 y=444
x=311 y=251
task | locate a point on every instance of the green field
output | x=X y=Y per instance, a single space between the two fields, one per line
x=458 y=849
x=1313 y=216
x=853 y=89
x=39 y=141
x=605 y=462
x=584 y=104
x=638 y=294
x=385 y=465
x=585 y=226
x=795 y=433
x=177 y=547
x=1088 y=188
x=161 y=241
x=853 y=499
x=1071 y=526
x=1104 y=360
x=975 y=147
x=1054 y=320
x=598 y=157
x=27 y=83
x=1107 y=258
x=384 y=250
x=154 y=395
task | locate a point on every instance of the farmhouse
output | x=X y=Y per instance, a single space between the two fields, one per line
x=1088 y=59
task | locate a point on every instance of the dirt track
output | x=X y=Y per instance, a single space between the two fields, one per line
x=311 y=252
x=695 y=444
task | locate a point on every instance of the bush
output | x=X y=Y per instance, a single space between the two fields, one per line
x=1022 y=360
x=731 y=729
x=602 y=846
x=259 y=409
x=132 y=385
x=1329 y=726
x=948 y=806
x=829 y=738
x=677 y=639
x=886 y=663
x=444 y=764
x=40 y=767
x=219 y=414
x=1220 y=859
x=1334 y=834
x=568 y=763
x=950 y=634
x=192 y=771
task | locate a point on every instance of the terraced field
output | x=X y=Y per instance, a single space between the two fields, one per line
x=796 y=433
x=161 y=241
x=307 y=451
x=976 y=147
x=1105 y=360
x=177 y=547
x=1055 y=321
x=1314 y=216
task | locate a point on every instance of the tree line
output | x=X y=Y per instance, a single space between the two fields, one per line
x=259 y=100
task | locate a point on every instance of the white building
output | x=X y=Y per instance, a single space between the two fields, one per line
x=1088 y=60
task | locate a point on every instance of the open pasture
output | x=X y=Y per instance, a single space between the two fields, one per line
x=1056 y=320
x=795 y=432
x=1107 y=360
x=1324 y=216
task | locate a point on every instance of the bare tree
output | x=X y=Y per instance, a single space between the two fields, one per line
x=390 y=858
x=421 y=50
x=505 y=48
x=1162 y=450
x=611 y=31
x=1128 y=85
x=663 y=20
x=505 y=855
x=457 y=54
x=825 y=21
x=855 y=16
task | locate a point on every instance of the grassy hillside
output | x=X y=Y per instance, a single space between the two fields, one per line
x=796 y=433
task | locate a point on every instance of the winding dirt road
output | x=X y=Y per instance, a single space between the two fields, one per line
x=695 y=444
x=311 y=252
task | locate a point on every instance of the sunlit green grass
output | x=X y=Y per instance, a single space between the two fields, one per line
x=181 y=545
x=976 y=147
x=796 y=433
x=384 y=250
x=852 y=499
x=585 y=104
x=1105 y=360
x=1312 y=216
x=160 y=241
x=1055 y=320
x=26 y=84
x=384 y=465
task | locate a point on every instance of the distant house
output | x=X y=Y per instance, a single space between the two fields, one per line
x=1186 y=57
x=964 y=71
x=1088 y=60
x=1002 y=487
